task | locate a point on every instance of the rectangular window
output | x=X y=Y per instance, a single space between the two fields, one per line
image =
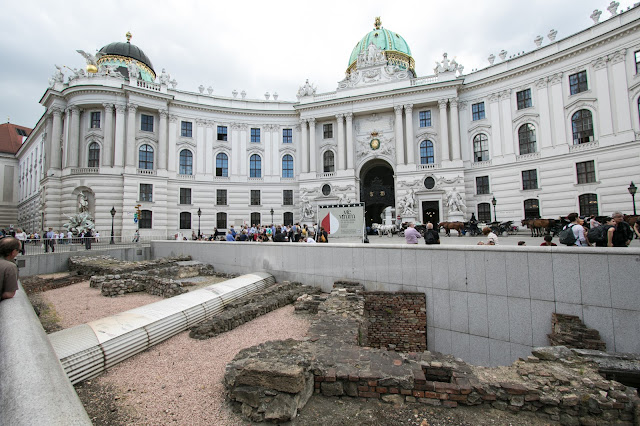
x=477 y=111
x=221 y=220
x=578 y=82
x=146 y=123
x=524 y=99
x=484 y=212
x=425 y=118
x=185 y=220
x=255 y=197
x=255 y=135
x=145 y=219
x=222 y=133
x=327 y=131
x=637 y=55
x=529 y=179
x=185 y=195
x=586 y=172
x=146 y=192
x=287 y=135
x=482 y=185
x=255 y=218
x=221 y=197
x=186 y=129
x=287 y=197
x=95 y=120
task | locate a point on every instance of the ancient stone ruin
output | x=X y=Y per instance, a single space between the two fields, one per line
x=570 y=331
x=161 y=277
x=272 y=381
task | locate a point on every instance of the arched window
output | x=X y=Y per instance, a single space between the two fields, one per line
x=145 y=157
x=255 y=166
x=287 y=166
x=527 y=139
x=531 y=209
x=588 y=204
x=582 y=126
x=328 y=162
x=255 y=218
x=185 y=220
x=145 y=219
x=186 y=162
x=94 y=155
x=480 y=148
x=288 y=218
x=484 y=212
x=426 y=152
x=222 y=165
x=221 y=220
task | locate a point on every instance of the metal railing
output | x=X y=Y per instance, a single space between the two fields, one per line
x=62 y=245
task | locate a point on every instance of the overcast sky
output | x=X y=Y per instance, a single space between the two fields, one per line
x=261 y=46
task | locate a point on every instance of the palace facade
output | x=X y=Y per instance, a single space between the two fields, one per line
x=543 y=133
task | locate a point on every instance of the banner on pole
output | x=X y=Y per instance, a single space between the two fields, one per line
x=342 y=220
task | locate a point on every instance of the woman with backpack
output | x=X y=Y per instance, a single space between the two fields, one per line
x=573 y=233
x=602 y=236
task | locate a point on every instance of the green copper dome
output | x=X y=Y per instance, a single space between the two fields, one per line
x=395 y=47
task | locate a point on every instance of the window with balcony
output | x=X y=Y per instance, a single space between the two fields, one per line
x=527 y=139
x=287 y=166
x=426 y=152
x=255 y=166
x=328 y=162
x=186 y=162
x=582 y=127
x=145 y=157
x=94 y=155
x=222 y=165
x=480 y=148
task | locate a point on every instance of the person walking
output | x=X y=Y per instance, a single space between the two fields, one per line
x=49 y=242
x=411 y=235
x=22 y=237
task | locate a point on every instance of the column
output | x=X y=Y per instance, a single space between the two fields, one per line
x=341 y=163
x=495 y=141
x=505 y=119
x=304 y=146
x=559 y=136
x=130 y=160
x=544 y=130
x=455 y=129
x=622 y=112
x=107 y=147
x=208 y=153
x=411 y=141
x=268 y=151
x=171 y=148
x=74 y=137
x=399 y=135
x=118 y=149
x=241 y=151
x=312 y=145
x=349 y=117
x=275 y=141
x=199 y=169
x=444 y=129
x=162 y=140
x=601 y=80
x=56 y=138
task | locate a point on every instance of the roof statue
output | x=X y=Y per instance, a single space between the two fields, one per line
x=92 y=60
x=447 y=66
x=377 y=24
x=306 y=90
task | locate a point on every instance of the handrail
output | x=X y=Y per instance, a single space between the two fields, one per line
x=35 y=388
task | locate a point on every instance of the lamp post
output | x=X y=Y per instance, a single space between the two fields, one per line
x=632 y=190
x=494 y=202
x=199 y=214
x=113 y=215
x=271 y=216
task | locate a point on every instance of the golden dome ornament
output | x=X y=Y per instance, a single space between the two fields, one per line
x=92 y=68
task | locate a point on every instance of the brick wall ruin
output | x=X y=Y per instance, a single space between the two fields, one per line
x=395 y=321
x=569 y=331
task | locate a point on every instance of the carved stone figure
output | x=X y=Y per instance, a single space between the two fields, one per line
x=306 y=209
x=79 y=223
x=454 y=201
x=134 y=71
x=447 y=66
x=83 y=203
x=57 y=77
x=306 y=90
x=91 y=59
x=408 y=203
x=164 y=77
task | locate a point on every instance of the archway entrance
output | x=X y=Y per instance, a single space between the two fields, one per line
x=377 y=189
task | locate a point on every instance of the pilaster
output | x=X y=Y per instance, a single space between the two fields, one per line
x=312 y=145
x=107 y=147
x=399 y=135
x=411 y=142
x=444 y=129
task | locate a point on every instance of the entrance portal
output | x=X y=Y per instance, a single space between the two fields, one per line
x=431 y=212
x=376 y=190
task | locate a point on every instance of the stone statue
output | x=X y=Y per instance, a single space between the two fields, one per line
x=83 y=203
x=79 y=223
x=134 y=71
x=57 y=77
x=91 y=59
x=77 y=73
x=306 y=90
x=306 y=209
x=408 y=204
x=454 y=201
x=447 y=66
x=164 y=77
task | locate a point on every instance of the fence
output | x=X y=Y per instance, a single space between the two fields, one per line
x=65 y=245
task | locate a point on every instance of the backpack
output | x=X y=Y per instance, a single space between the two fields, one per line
x=566 y=236
x=597 y=234
x=429 y=238
x=323 y=239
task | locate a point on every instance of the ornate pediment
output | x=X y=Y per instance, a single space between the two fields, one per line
x=372 y=67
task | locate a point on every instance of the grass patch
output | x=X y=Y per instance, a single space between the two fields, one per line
x=47 y=314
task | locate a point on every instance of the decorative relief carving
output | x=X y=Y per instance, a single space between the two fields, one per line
x=57 y=112
x=163 y=113
x=462 y=105
x=348 y=116
x=398 y=109
x=453 y=102
x=339 y=116
x=209 y=124
x=408 y=109
x=599 y=63
x=555 y=78
x=494 y=97
x=589 y=103
x=132 y=107
x=442 y=103
x=200 y=122
x=239 y=126
x=108 y=108
x=505 y=95
x=617 y=56
x=542 y=83
x=312 y=121
x=120 y=108
x=173 y=118
x=298 y=127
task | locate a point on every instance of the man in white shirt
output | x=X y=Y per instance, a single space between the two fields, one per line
x=310 y=238
x=578 y=230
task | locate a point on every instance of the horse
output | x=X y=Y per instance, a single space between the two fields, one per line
x=448 y=226
x=539 y=227
x=383 y=229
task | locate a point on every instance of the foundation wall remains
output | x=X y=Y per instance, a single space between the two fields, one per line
x=497 y=300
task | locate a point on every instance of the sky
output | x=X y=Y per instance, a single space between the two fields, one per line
x=260 y=46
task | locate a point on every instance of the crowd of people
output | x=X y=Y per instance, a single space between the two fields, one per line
x=267 y=233
x=50 y=238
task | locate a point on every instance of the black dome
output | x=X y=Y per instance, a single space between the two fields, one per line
x=129 y=50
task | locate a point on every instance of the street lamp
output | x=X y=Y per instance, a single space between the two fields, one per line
x=199 y=214
x=632 y=190
x=494 y=202
x=271 y=216
x=113 y=215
